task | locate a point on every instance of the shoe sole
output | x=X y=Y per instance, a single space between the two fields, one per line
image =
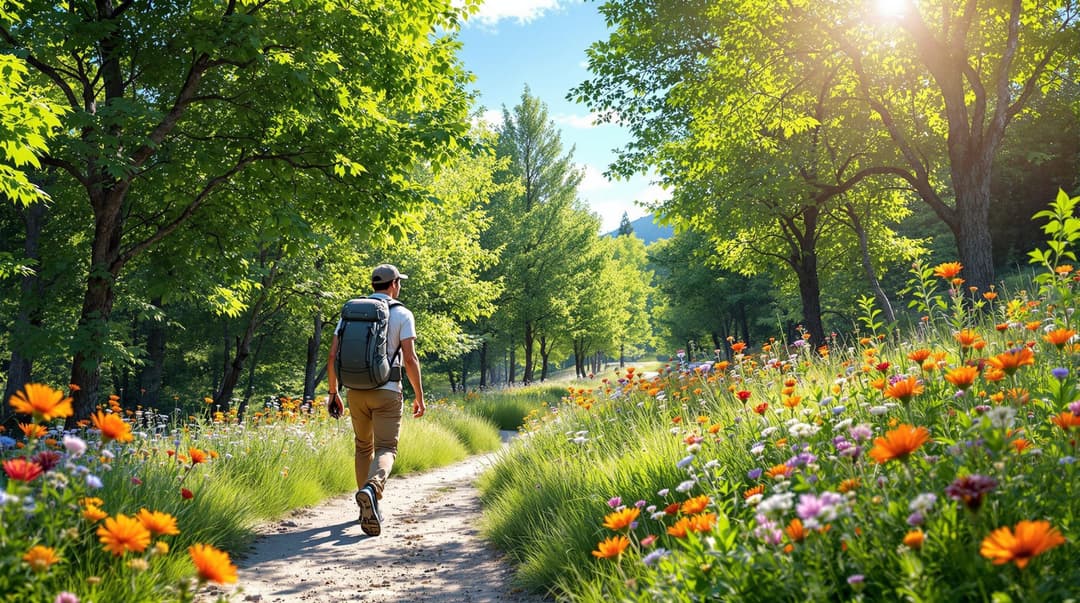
x=369 y=518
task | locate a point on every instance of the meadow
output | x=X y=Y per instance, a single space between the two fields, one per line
x=138 y=507
x=932 y=464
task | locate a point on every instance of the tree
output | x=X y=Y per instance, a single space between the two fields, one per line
x=193 y=96
x=758 y=58
x=542 y=230
x=625 y=228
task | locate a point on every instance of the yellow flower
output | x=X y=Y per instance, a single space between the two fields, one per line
x=213 y=565
x=40 y=558
x=42 y=402
x=123 y=534
x=1031 y=539
x=93 y=514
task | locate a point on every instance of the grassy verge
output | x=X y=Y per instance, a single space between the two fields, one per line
x=113 y=514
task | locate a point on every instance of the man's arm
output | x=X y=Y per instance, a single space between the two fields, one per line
x=412 y=371
x=334 y=404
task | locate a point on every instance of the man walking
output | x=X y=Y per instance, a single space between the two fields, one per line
x=376 y=413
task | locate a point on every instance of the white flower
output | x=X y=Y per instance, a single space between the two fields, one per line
x=923 y=503
x=768 y=431
x=777 y=504
x=1001 y=417
x=877 y=411
x=75 y=446
x=842 y=424
x=685 y=486
x=755 y=499
x=803 y=431
x=758 y=449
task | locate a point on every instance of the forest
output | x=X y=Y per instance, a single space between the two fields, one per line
x=192 y=190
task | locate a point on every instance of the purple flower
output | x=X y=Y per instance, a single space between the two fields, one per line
x=861 y=432
x=856 y=579
x=981 y=408
x=685 y=461
x=66 y=597
x=1074 y=407
x=754 y=474
x=1060 y=373
x=663 y=493
x=970 y=489
x=614 y=502
x=639 y=504
x=654 y=556
x=915 y=519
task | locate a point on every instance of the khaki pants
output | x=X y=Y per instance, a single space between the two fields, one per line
x=376 y=420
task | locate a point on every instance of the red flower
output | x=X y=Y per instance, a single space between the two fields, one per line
x=743 y=395
x=22 y=470
x=761 y=408
x=187 y=494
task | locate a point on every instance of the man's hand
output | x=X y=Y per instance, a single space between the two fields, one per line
x=418 y=408
x=334 y=405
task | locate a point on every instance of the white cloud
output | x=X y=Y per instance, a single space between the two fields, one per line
x=492 y=117
x=594 y=180
x=584 y=122
x=653 y=193
x=523 y=11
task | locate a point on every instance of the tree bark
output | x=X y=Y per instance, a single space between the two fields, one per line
x=545 y=351
x=29 y=317
x=527 y=374
x=483 y=364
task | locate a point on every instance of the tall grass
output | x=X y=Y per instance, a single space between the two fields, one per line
x=803 y=473
x=218 y=479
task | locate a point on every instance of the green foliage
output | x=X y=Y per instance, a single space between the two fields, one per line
x=27 y=119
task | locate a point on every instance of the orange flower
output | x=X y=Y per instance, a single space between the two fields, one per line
x=197 y=456
x=899 y=443
x=696 y=504
x=968 y=338
x=919 y=355
x=42 y=402
x=948 y=269
x=758 y=489
x=1030 y=539
x=93 y=514
x=849 y=484
x=22 y=470
x=990 y=296
x=680 y=528
x=795 y=530
x=914 y=539
x=1012 y=360
x=40 y=558
x=905 y=389
x=157 y=522
x=33 y=431
x=214 y=565
x=112 y=427
x=123 y=534
x=779 y=471
x=963 y=376
x=738 y=347
x=621 y=519
x=1066 y=420
x=1059 y=337
x=703 y=522
x=1020 y=444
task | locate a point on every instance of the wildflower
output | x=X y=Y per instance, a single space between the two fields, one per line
x=849 y=485
x=914 y=539
x=754 y=474
x=1030 y=539
x=94 y=482
x=680 y=528
x=42 y=402
x=197 y=456
x=47 y=459
x=703 y=522
x=962 y=377
x=948 y=270
x=112 y=427
x=968 y=338
x=795 y=530
x=22 y=470
x=899 y=443
x=779 y=472
x=654 y=556
x=685 y=486
x=66 y=597
x=214 y=565
x=905 y=389
x=695 y=505
x=1059 y=373
x=861 y=432
x=742 y=395
x=970 y=489
x=614 y=502
x=758 y=489
x=1066 y=420
x=93 y=514
x=1059 y=337
x=1012 y=360
x=738 y=347
x=123 y=534
x=40 y=558
x=157 y=522
x=33 y=431
x=1001 y=417
x=186 y=494
x=923 y=502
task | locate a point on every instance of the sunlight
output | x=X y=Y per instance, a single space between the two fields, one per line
x=891 y=8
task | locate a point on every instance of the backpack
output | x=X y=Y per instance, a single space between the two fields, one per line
x=362 y=359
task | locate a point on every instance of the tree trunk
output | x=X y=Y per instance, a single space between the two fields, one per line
x=465 y=371
x=311 y=365
x=483 y=364
x=868 y=266
x=973 y=239
x=511 y=364
x=151 y=375
x=243 y=343
x=29 y=317
x=527 y=374
x=545 y=351
x=810 y=295
x=622 y=355
x=450 y=377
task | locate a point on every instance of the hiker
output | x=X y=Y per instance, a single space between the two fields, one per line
x=376 y=413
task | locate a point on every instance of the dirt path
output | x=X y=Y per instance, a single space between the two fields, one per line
x=430 y=549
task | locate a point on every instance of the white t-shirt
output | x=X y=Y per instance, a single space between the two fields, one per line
x=401 y=326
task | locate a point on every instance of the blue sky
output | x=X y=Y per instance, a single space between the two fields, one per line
x=509 y=44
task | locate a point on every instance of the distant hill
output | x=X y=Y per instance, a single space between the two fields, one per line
x=647 y=230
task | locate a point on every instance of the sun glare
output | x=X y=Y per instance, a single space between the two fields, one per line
x=891 y=8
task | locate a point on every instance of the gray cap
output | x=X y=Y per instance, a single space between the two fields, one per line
x=386 y=273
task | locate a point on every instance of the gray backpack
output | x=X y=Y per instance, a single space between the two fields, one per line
x=362 y=358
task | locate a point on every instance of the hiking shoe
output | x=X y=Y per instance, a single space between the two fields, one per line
x=370 y=521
